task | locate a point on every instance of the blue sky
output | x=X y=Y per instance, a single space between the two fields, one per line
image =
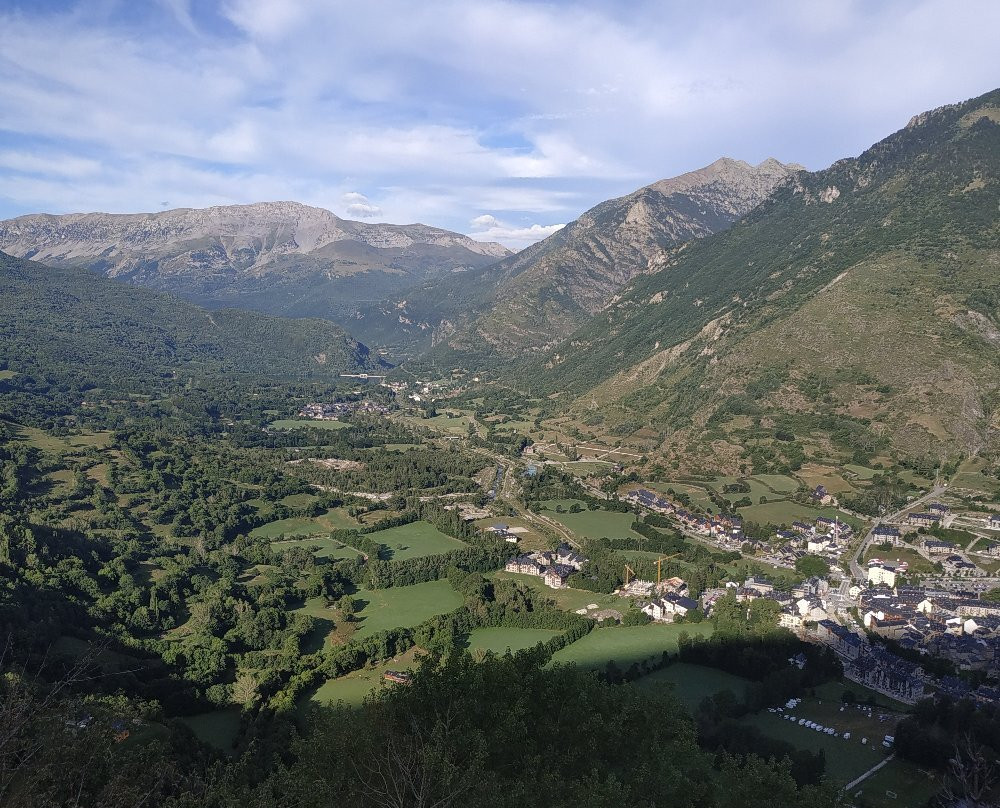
x=499 y=119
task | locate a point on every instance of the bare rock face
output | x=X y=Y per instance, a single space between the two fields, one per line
x=272 y=256
x=543 y=293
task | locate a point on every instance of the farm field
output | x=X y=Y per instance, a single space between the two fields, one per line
x=862 y=472
x=626 y=644
x=782 y=483
x=757 y=489
x=568 y=599
x=500 y=640
x=698 y=493
x=218 y=728
x=970 y=476
x=692 y=683
x=352 y=688
x=334 y=519
x=327 y=547
x=845 y=759
x=403 y=606
x=302 y=423
x=813 y=474
x=899 y=784
x=60 y=445
x=785 y=512
x=415 y=540
x=592 y=524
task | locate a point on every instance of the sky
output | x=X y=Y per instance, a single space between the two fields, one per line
x=499 y=119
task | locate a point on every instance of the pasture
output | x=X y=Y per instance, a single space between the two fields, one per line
x=334 y=519
x=784 y=512
x=352 y=688
x=415 y=540
x=591 y=524
x=402 y=606
x=692 y=683
x=911 y=786
x=502 y=639
x=627 y=644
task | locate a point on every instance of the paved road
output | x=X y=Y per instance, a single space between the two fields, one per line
x=856 y=570
x=868 y=773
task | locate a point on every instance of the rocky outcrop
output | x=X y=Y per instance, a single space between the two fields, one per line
x=542 y=294
x=282 y=257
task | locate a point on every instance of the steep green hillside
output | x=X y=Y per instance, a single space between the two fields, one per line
x=86 y=331
x=530 y=301
x=861 y=302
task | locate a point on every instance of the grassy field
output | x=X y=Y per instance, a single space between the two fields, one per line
x=334 y=519
x=813 y=474
x=403 y=606
x=415 y=540
x=592 y=524
x=61 y=445
x=918 y=564
x=970 y=476
x=757 y=489
x=217 y=728
x=845 y=759
x=861 y=472
x=626 y=644
x=568 y=599
x=782 y=483
x=692 y=683
x=302 y=423
x=785 y=512
x=298 y=500
x=353 y=687
x=325 y=547
x=500 y=640
x=911 y=786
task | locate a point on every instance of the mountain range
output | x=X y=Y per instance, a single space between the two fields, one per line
x=853 y=309
x=278 y=257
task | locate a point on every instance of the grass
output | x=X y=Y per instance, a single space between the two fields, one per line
x=303 y=423
x=782 y=483
x=352 y=688
x=918 y=564
x=627 y=644
x=567 y=599
x=503 y=639
x=833 y=691
x=334 y=519
x=757 y=489
x=415 y=540
x=403 y=606
x=862 y=472
x=785 y=512
x=61 y=445
x=845 y=759
x=692 y=683
x=592 y=524
x=299 y=500
x=970 y=477
x=912 y=786
x=218 y=728
x=325 y=547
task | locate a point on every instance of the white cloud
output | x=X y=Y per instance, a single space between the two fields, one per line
x=358 y=206
x=450 y=106
x=488 y=228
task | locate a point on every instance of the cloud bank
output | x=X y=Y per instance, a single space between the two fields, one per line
x=448 y=111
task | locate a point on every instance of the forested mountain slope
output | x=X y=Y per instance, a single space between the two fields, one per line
x=864 y=298
x=278 y=257
x=531 y=300
x=80 y=330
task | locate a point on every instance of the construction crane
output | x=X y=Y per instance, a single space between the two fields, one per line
x=628 y=570
x=659 y=561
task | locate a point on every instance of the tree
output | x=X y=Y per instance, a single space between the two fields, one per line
x=812 y=566
x=348 y=607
